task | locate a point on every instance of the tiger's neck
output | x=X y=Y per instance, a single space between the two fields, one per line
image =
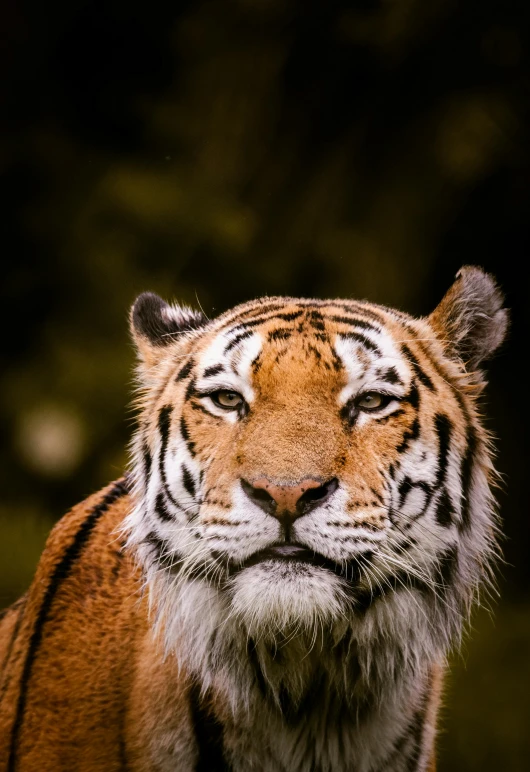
x=298 y=700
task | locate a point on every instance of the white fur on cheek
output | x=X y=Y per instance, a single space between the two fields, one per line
x=328 y=529
x=246 y=529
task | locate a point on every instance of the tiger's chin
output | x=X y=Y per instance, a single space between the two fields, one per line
x=277 y=597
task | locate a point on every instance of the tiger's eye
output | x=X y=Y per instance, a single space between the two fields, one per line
x=371 y=401
x=230 y=400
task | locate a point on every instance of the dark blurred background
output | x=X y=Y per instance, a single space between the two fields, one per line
x=216 y=151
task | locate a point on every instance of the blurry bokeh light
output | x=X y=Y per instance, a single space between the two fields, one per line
x=51 y=440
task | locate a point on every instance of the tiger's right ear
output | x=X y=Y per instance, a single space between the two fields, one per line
x=155 y=325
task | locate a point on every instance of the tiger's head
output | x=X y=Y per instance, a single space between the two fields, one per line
x=306 y=463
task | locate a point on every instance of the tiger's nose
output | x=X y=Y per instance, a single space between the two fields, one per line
x=293 y=500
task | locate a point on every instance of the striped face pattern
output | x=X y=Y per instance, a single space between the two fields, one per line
x=308 y=462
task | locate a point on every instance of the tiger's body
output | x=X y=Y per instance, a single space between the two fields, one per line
x=276 y=585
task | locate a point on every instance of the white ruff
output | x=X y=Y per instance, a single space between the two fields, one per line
x=268 y=602
x=361 y=668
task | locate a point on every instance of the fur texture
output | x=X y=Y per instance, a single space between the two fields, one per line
x=240 y=632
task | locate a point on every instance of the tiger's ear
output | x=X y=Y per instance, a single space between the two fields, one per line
x=155 y=325
x=471 y=320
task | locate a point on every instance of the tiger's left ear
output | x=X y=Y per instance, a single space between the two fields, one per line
x=155 y=325
x=471 y=321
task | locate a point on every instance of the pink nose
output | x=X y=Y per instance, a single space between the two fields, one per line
x=286 y=496
x=292 y=500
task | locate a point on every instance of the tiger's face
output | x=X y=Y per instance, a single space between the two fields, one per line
x=307 y=459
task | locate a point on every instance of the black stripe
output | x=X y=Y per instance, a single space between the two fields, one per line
x=60 y=573
x=147 y=463
x=293 y=712
x=213 y=370
x=17 y=608
x=405 y=546
x=446 y=568
x=444 y=429
x=253 y=659
x=237 y=339
x=412 y=736
x=197 y=406
x=413 y=397
x=252 y=323
x=359 y=308
x=336 y=361
x=316 y=320
x=358 y=337
x=165 y=556
x=287 y=317
x=444 y=510
x=208 y=734
x=280 y=334
x=188 y=482
x=390 y=375
x=394 y=583
x=191 y=391
x=186 y=436
x=164 y=420
x=390 y=416
x=124 y=764
x=349 y=413
x=420 y=374
x=397 y=749
x=251 y=317
x=186 y=370
x=264 y=308
x=161 y=510
x=411 y=434
x=290 y=316
x=404 y=488
x=354 y=321
x=466 y=477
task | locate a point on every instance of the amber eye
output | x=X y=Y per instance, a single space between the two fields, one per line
x=372 y=400
x=229 y=400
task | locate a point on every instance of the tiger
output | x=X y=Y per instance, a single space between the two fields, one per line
x=277 y=581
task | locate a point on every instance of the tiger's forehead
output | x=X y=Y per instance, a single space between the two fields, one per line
x=346 y=341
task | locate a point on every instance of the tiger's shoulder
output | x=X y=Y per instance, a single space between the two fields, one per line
x=85 y=539
x=70 y=642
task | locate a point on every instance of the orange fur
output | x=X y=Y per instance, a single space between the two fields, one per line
x=97 y=694
x=86 y=684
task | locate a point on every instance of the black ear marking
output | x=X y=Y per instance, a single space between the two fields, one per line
x=471 y=320
x=156 y=321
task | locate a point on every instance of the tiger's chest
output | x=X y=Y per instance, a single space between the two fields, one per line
x=325 y=735
x=315 y=744
x=328 y=737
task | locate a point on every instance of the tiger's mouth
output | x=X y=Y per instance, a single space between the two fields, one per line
x=289 y=552
x=299 y=553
